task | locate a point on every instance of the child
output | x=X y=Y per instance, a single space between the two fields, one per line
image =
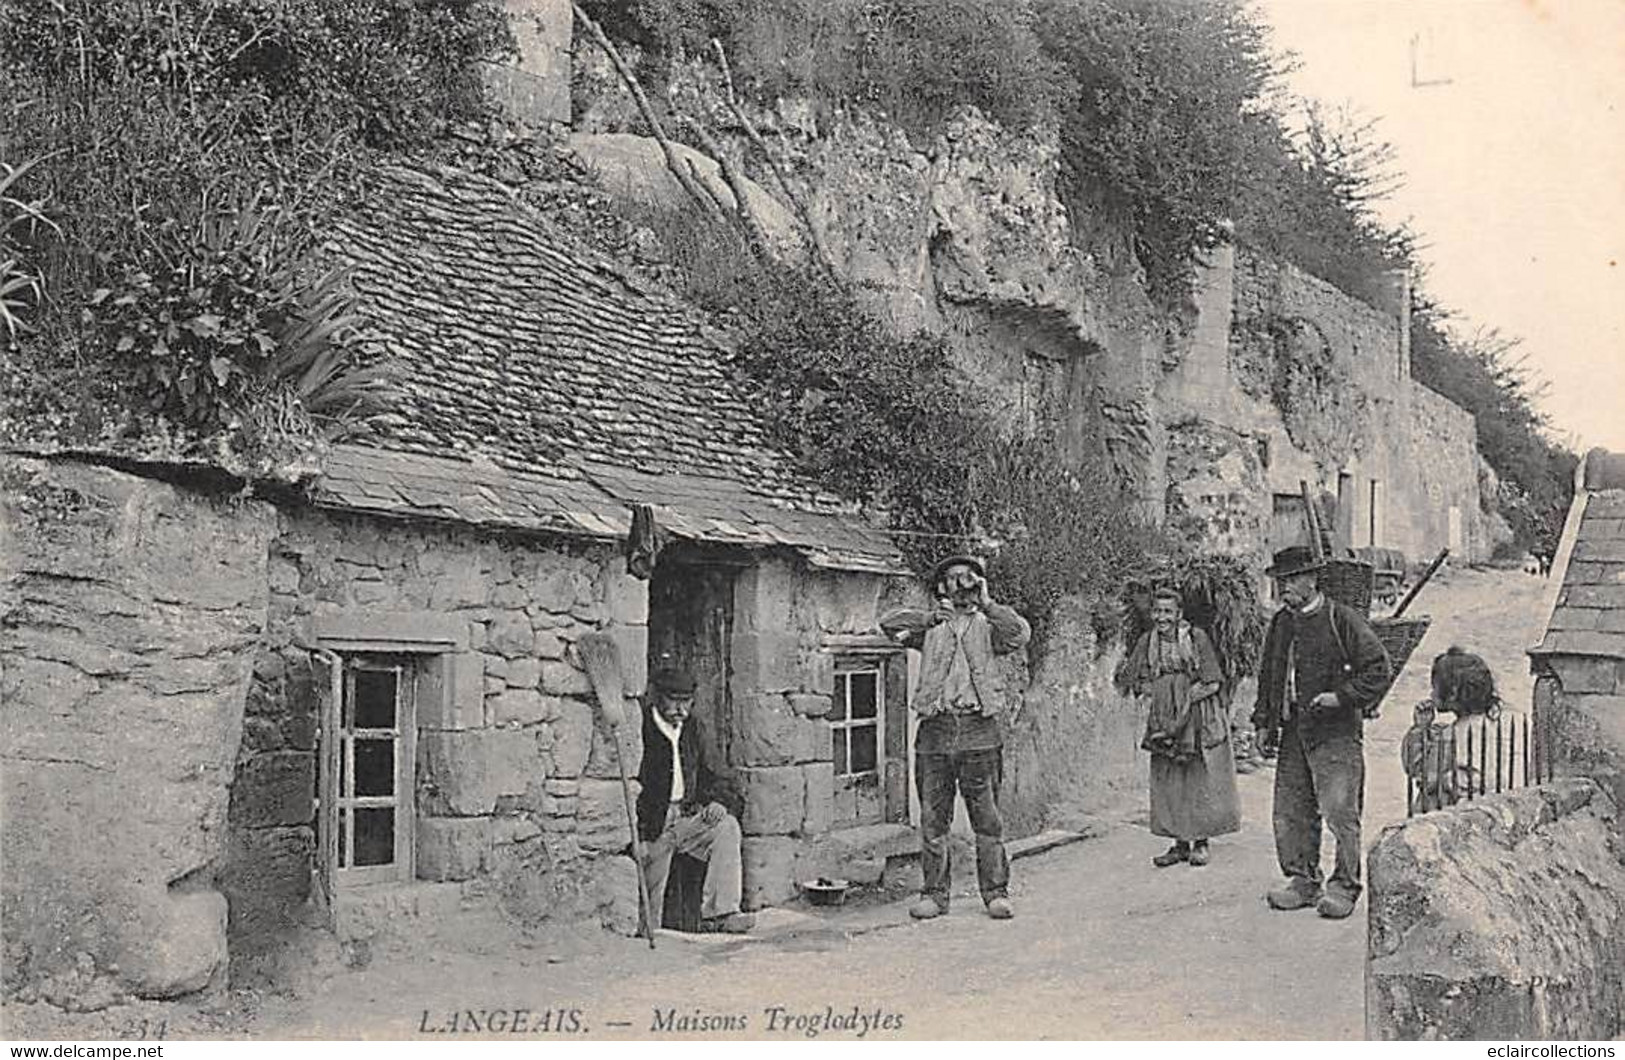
x=1434 y=751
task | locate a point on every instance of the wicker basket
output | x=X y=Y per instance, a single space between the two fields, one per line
x=1399 y=637
x=1349 y=582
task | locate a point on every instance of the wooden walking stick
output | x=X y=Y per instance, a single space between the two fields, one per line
x=602 y=659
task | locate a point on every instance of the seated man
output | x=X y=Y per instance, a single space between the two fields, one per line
x=681 y=809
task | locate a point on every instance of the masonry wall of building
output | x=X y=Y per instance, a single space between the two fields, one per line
x=1499 y=919
x=782 y=679
x=517 y=796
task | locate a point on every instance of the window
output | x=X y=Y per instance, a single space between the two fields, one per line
x=364 y=793
x=856 y=722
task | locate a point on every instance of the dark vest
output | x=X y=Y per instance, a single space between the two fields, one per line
x=655 y=775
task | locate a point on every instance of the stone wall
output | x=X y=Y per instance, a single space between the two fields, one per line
x=1584 y=698
x=129 y=614
x=518 y=795
x=783 y=674
x=1499 y=919
x=1289 y=380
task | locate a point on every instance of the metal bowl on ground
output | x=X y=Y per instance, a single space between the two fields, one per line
x=826 y=891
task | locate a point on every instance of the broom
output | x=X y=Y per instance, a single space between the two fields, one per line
x=602 y=659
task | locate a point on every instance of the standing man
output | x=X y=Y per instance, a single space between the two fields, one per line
x=1322 y=668
x=684 y=808
x=959 y=744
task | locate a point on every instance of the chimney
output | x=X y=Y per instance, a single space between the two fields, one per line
x=1402 y=310
x=536 y=89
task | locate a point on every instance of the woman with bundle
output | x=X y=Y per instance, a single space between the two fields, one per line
x=1193 y=770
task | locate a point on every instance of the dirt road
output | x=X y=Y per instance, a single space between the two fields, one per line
x=1103 y=946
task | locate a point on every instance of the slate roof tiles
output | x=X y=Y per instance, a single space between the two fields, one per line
x=1589 y=617
x=546 y=388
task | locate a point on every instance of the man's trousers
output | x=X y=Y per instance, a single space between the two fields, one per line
x=718 y=845
x=1324 y=782
x=976 y=776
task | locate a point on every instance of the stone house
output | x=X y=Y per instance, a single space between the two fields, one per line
x=419 y=732
x=1579 y=662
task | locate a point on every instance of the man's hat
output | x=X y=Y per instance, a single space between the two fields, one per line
x=953 y=561
x=672 y=682
x=1296 y=559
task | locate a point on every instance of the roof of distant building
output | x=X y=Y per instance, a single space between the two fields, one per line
x=547 y=388
x=1588 y=616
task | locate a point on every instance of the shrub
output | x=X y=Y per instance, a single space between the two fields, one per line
x=191 y=155
x=887 y=420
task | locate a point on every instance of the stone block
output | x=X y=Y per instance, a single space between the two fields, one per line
x=451 y=691
x=775 y=800
x=274 y=789
x=818 y=815
x=515 y=761
x=456 y=848
x=510 y=635
x=632 y=642
x=626 y=599
x=768 y=733
x=561 y=678
x=192 y=927
x=769 y=870
x=601 y=823
x=546 y=644
x=810 y=705
x=572 y=736
x=522 y=706
x=617 y=879
x=601 y=761
x=458 y=584
x=495 y=665
x=524 y=672
x=1580 y=674
x=769 y=661
x=455 y=777
x=764 y=598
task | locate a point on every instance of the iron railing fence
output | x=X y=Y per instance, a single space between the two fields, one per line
x=1474 y=757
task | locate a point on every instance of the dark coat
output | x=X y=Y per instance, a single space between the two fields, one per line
x=700 y=784
x=1364 y=678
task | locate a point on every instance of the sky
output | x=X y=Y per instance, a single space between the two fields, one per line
x=1512 y=147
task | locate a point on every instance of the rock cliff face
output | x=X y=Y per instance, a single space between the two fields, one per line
x=1499 y=919
x=129 y=613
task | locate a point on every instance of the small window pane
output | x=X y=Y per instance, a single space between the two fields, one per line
x=344 y=765
x=840 y=750
x=375 y=699
x=863 y=750
x=343 y=831
x=863 y=695
x=375 y=767
x=374 y=835
x=837 y=709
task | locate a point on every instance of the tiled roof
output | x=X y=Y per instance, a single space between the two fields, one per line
x=1589 y=615
x=546 y=388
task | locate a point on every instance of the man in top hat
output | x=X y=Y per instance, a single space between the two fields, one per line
x=1322 y=667
x=684 y=808
x=959 y=744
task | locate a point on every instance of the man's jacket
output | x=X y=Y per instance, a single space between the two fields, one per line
x=700 y=785
x=1352 y=664
x=997 y=631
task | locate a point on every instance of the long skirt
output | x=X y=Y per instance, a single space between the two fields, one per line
x=1195 y=799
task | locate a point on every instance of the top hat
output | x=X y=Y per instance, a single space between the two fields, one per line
x=1296 y=559
x=968 y=561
